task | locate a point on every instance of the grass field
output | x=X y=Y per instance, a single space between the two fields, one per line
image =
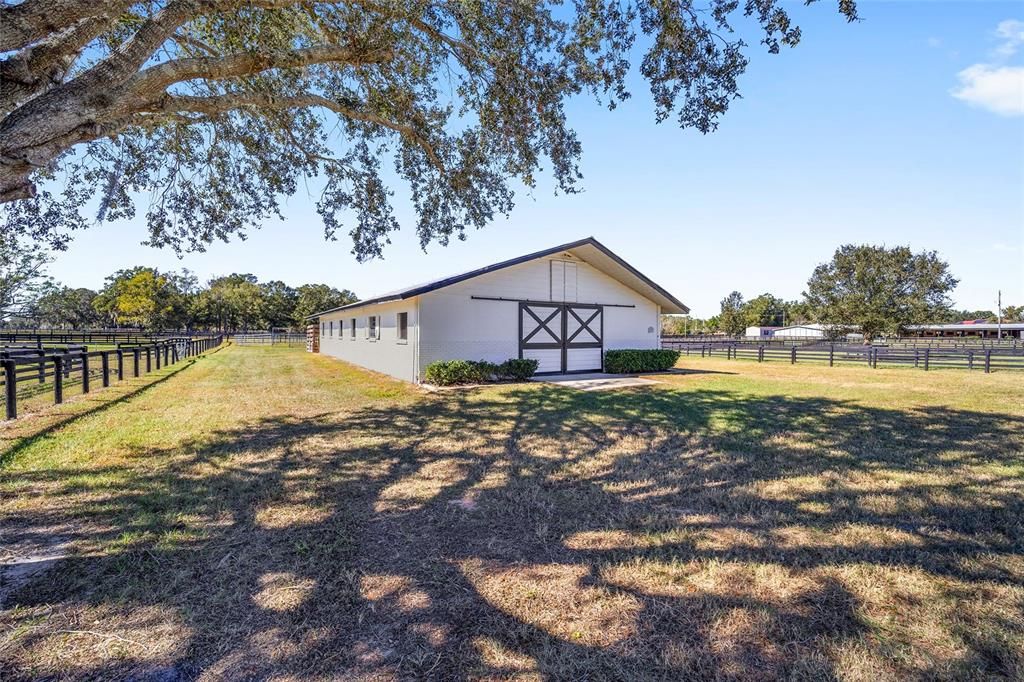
x=265 y=513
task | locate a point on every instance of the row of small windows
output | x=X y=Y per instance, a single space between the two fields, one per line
x=372 y=327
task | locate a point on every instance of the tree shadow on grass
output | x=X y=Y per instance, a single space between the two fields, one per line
x=643 y=534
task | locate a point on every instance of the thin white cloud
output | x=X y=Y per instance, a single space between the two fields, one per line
x=999 y=89
x=997 y=86
x=1011 y=32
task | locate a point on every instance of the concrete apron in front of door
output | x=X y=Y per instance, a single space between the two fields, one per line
x=595 y=382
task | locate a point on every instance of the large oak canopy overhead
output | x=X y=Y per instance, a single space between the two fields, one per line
x=210 y=112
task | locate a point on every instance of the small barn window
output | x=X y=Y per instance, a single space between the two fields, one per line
x=353 y=332
x=372 y=327
x=330 y=328
x=403 y=326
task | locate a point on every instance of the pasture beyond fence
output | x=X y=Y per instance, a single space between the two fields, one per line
x=987 y=359
x=43 y=369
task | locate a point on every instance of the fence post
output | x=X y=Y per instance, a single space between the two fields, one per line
x=970 y=359
x=926 y=353
x=137 y=353
x=105 y=367
x=149 y=360
x=792 y=355
x=58 y=380
x=760 y=353
x=11 y=388
x=831 y=354
x=915 y=357
x=42 y=365
x=988 y=360
x=167 y=354
x=85 y=372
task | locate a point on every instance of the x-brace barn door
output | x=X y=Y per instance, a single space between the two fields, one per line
x=562 y=337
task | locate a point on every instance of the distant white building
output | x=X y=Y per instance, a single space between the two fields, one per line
x=796 y=331
x=967 y=328
x=562 y=306
x=800 y=331
x=760 y=332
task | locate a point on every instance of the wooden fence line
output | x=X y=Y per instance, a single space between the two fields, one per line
x=1013 y=343
x=270 y=338
x=42 y=337
x=987 y=359
x=35 y=365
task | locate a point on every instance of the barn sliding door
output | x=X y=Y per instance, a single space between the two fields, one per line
x=540 y=335
x=561 y=337
x=584 y=328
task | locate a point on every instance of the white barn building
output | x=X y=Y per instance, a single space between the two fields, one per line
x=562 y=306
x=796 y=331
x=800 y=331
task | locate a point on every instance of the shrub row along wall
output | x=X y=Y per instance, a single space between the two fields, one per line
x=41 y=370
x=628 y=361
x=453 y=372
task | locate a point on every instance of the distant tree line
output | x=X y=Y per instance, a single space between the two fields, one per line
x=874 y=290
x=148 y=298
x=765 y=310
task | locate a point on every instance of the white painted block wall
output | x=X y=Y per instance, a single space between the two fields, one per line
x=388 y=354
x=448 y=324
x=454 y=326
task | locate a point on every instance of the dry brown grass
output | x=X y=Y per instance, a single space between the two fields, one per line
x=269 y=514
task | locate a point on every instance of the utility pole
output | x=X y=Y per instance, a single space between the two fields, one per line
x=999 y=315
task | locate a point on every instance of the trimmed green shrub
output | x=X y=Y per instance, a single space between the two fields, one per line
x=517 y=369
x=630 y=360
x=454 y=372
x=451 y=372
x=484 y=371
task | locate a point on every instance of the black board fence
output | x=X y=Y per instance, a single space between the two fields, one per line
x=40 y=369
x=965 y=342
x=987 y=359
x=270 y=339
x=106 y=337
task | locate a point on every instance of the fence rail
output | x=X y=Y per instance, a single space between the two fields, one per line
x=40 y=370
x=901 y=342
x=270 y=338
x=106 y=337
x=928 y=357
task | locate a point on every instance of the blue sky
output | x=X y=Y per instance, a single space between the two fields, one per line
x=905 y=128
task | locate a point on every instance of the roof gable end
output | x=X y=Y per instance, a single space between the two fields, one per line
x=588 y=250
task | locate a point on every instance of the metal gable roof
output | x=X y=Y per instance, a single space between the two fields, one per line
x=601 y=257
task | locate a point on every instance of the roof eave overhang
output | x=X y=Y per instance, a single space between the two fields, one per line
x=589 y=250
